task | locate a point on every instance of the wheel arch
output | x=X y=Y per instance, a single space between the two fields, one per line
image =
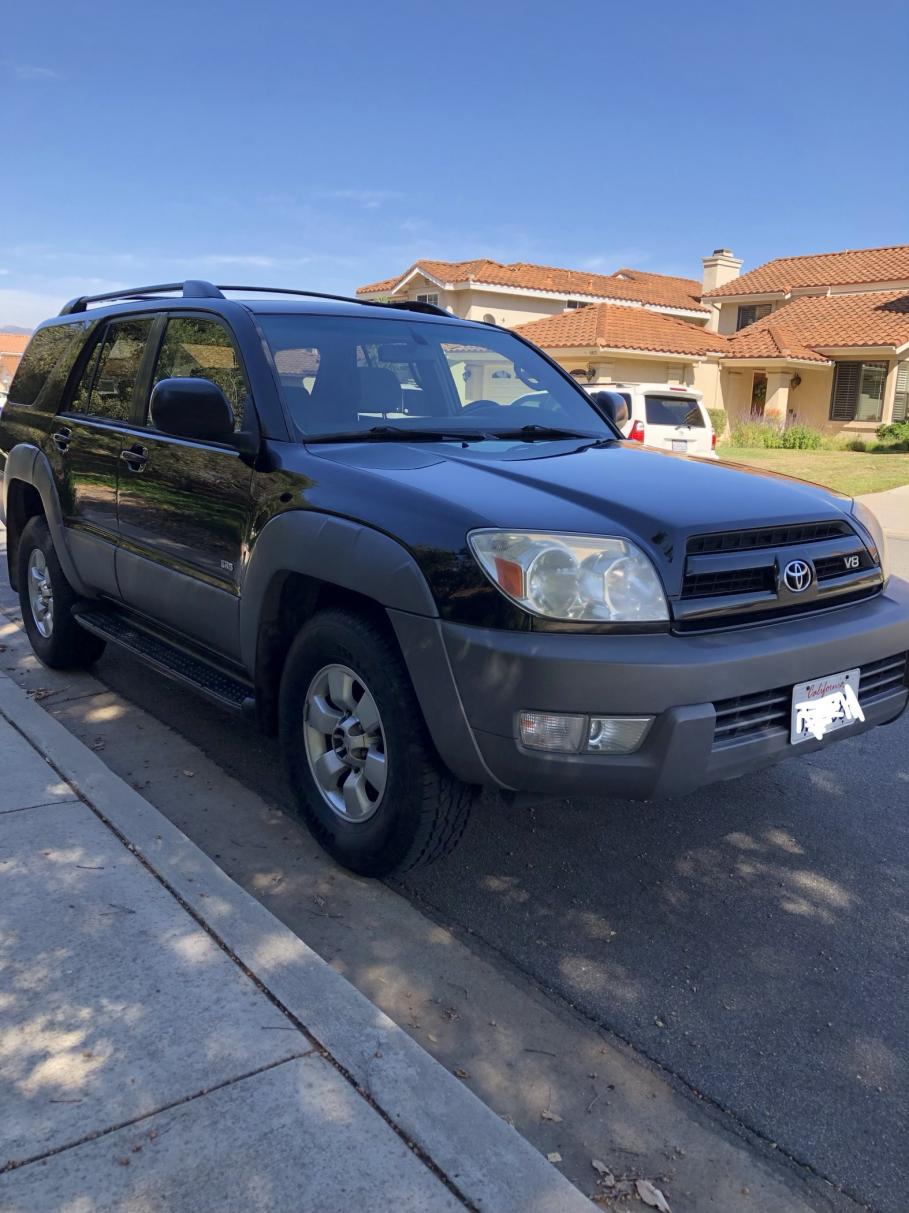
x=304 y=561
x=28 y=483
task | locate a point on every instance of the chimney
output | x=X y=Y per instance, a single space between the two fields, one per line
x=719 y=268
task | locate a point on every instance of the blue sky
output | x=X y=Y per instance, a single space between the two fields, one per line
x=327 y=145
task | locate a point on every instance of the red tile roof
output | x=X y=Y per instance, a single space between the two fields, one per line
x=633 y=285
x=14 y=343
x=615 y=326
x=800 y=328
x=852 y=267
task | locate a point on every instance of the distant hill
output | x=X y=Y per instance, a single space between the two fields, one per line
x=13 y=328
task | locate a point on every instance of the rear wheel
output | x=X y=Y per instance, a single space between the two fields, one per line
x=46 y=599
x=365 y=776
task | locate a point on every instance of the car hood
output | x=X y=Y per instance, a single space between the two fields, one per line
x=655 y=497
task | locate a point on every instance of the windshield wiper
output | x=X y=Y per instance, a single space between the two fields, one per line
x=529 y=432
x=399 y=433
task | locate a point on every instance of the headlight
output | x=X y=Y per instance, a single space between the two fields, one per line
x=579 y=577
x=867 y=521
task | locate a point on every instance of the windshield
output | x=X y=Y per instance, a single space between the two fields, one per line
x=350 y=375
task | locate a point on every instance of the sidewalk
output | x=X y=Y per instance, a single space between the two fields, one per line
x=167 y=1045
x=891 y=509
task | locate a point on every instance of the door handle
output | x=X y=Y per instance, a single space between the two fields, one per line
x=135 y=458
x=62 y=439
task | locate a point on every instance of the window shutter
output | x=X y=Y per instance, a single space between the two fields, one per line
x=901 y=399
x=846 y=379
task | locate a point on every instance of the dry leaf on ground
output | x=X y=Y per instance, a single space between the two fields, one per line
x=652 y=1196
x=547 y=1115
x=555 y=1156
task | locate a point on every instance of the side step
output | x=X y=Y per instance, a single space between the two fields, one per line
x=169 y=658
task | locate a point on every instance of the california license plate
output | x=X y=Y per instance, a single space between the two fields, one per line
x=679 y=444
x=824 y=705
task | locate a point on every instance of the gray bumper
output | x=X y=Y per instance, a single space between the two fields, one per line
x=473 y=691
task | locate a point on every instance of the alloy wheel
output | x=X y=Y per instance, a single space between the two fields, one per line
x=345 y=743
x=40 y=593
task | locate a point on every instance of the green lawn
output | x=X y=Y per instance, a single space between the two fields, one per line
x=851 y=472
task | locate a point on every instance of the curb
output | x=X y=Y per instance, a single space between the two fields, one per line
x=492 y=1166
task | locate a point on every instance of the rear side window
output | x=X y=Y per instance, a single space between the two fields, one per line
x=44 y=353
x=673 y=410
x=109 y=379
x=203 y=349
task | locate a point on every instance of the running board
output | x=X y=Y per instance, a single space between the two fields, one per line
x=170 y=659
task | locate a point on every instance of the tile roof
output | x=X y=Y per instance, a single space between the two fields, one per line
x=852 y=267
x=14 y=343
x=634 y=285
x=800 y=328
x=615 y=326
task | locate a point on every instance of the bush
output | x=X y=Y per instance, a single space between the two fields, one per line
x=856 y=444
x=718 y=421
x=801 y=438
x=755 y=434
x=896 y=432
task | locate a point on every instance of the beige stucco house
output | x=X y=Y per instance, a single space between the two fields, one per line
x=656 y=322
x=821 y=340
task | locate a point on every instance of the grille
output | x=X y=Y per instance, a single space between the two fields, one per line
x=768 y=537
x=747 y=717
x=730 y=581
x=835 y=566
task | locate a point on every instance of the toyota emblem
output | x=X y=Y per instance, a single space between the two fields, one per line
x=797 y=576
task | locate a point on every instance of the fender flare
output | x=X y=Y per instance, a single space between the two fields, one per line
x=355 y=557
x=331 y=549
x=28 y=463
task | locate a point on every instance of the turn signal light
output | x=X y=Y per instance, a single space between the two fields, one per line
x=637 y=432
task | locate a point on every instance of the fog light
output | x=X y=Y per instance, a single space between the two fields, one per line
x=617 y=734
x=548 y=731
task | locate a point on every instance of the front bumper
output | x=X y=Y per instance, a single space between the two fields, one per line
x=677 y=679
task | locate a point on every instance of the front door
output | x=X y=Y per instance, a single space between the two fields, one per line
x=184 y=506
x=758 y=394
x=85 y=444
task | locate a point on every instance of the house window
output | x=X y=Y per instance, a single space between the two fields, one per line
x=858 y=391
x=901 y=398
x=750 y=312
x=572 y=304
x=433 y=299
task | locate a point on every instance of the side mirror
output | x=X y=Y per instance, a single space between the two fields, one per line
x=192 y=408
x=612 y=405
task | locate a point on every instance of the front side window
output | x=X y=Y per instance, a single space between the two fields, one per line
x=751 y=312
x=858 y=391
x=342 y=374
x=109 y=379
x=203 y=349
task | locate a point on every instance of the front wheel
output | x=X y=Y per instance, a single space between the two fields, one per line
x=46 y=599
x=365 y=776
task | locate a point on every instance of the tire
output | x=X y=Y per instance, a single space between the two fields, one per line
x=407 y=809
x=46 y=599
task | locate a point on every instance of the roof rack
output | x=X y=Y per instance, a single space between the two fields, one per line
x=195 y=288
x=191 y=289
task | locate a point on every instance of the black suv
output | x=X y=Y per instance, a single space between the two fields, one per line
x=417 y=548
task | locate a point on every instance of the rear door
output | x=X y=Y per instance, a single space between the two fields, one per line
x=676 y=422
x=85 y=443
x=184 y=505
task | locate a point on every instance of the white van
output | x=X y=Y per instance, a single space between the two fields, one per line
x=669 y=418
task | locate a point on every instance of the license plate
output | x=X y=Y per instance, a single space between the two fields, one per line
x=824 y=705
x=679 y=444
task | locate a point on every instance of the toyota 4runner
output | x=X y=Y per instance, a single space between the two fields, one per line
x=417 y=549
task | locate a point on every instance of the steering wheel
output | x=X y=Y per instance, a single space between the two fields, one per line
x=482 y=406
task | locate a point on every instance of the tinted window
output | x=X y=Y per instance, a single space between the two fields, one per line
x=46 y=350
x=346 y=373
x=203 y=349
x=110 y=377
x=673 y=410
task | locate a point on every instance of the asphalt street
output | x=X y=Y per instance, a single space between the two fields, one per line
x=752 y=938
